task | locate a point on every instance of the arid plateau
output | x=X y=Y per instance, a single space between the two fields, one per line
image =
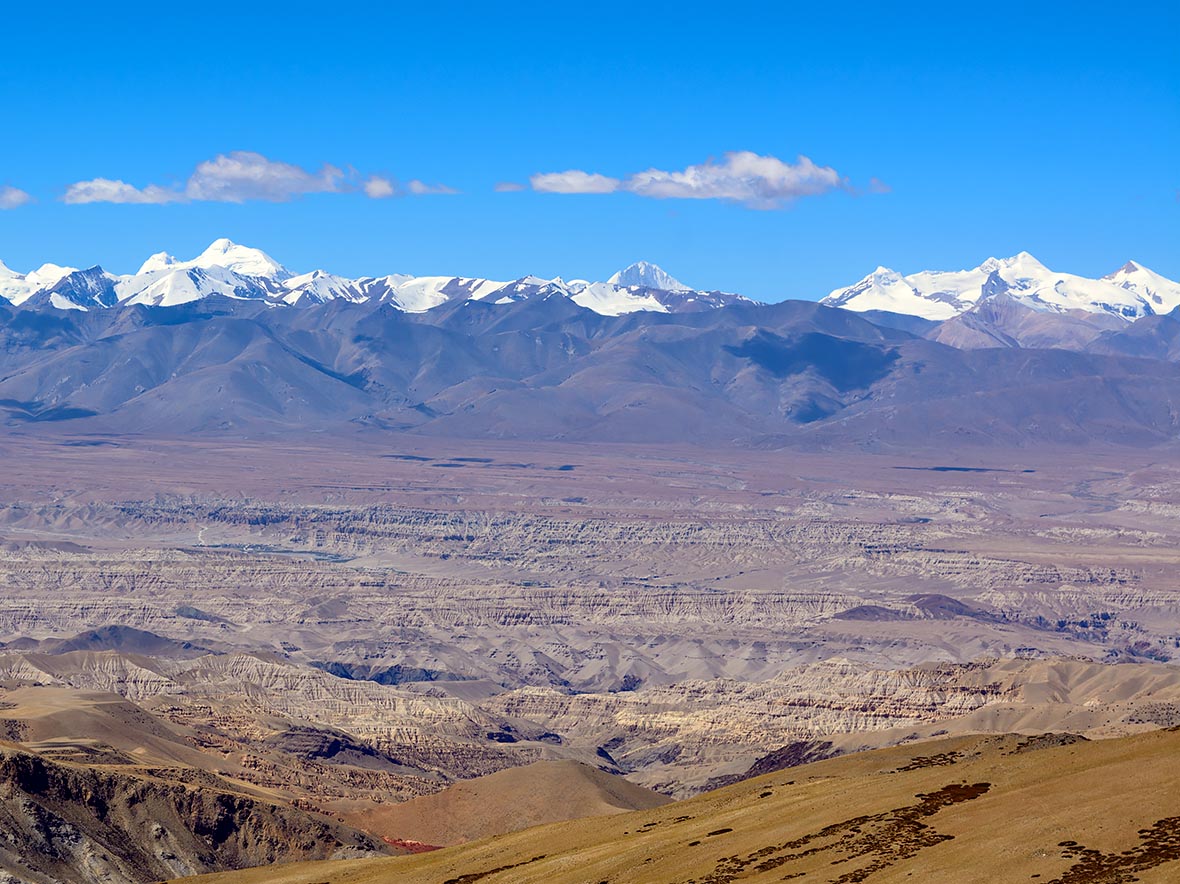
x=266 y=652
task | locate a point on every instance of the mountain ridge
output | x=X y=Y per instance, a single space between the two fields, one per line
x=1129 y=293
x=240 y=272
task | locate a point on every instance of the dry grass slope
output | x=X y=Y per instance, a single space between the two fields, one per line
x=965 y=809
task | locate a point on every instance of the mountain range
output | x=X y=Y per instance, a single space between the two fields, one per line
x=243 y=273
x=211 y=345
x=234 y=271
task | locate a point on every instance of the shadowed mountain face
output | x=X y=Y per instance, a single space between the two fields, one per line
x=546 y=368
x=1154 y=337
x=1002 y=321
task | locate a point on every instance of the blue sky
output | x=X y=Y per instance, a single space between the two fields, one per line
x=1053 y=129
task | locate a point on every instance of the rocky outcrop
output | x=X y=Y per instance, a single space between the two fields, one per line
x=71 y=824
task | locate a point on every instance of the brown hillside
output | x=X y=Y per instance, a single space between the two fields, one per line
x=544 y=792
x=1052 y=809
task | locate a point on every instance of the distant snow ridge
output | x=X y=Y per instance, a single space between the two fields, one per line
x=1130 y=292
x=230 y=270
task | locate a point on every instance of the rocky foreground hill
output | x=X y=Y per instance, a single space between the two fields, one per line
x=98 y=817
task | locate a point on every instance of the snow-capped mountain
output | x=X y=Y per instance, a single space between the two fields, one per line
x=19 y=287
x=230 y=270
x=223 y=254
x=1160 y=292
x=1129 y=293
x=648 y=276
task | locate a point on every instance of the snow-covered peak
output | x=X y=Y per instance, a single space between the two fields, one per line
x=1127 y=269
x=888 y=290
x=1023 y=265
x=1162 y=293
x=319 y=286
x=649 y=276
x=240 y=259
x=884 y=274
x=158 y=261
x=182 y=282
x=13 y=286
x=225 y=269
x=937 y=294
x=49 y=274
x=20 y=287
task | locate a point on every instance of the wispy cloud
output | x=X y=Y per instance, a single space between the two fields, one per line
x=106 y=190
x=755 y=181
x=238 y=177
x=574 y=181
x=244 y=175
x=227 y=178
x=13 y=197
x=510 y=187
x=379 y=188
x=421 y=188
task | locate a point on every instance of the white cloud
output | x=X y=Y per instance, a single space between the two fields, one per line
x=13 y=197
x=574 y=181
x=743 y=177
x=421 y=188
x=244 y=175
x=227 y=178
x=105 y=190
x=509 y=187
x=379 y=188
x=758 y=182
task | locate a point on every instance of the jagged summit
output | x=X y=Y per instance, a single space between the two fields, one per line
x=648 y=275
